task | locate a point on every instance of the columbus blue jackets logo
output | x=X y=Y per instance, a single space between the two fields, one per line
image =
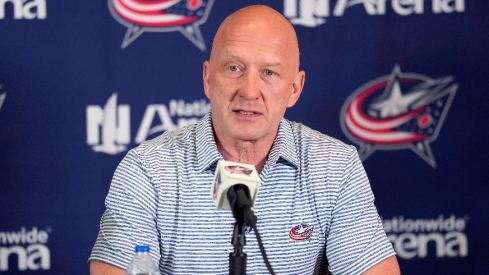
x=141 y=16
x=301 y=232
x=216 y=186
x=236 y=169
x=398 y=111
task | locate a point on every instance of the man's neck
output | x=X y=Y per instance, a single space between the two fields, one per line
x=249 y=152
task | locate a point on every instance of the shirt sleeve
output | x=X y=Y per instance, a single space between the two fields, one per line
x=130 y=216
x=356 y=239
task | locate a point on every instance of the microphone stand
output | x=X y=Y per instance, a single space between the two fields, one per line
x=237 y=259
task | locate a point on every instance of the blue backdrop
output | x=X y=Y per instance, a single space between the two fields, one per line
x=81 y=82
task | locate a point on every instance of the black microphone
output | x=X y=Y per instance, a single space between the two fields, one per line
x=241 y=204
x=235 y=188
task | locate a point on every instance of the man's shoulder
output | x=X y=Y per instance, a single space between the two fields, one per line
x=178 y=139
x=306 y=136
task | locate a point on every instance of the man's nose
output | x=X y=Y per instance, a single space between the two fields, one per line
x=250 y=88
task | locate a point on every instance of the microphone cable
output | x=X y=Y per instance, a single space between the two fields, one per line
x=262 y=250
x=242 y=208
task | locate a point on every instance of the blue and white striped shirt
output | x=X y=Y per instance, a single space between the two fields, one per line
x=159 y=196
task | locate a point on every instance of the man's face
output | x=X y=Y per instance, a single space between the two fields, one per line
x=250 y=80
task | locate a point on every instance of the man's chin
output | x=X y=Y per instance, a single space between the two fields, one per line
x=246 y=135
x=246 y=138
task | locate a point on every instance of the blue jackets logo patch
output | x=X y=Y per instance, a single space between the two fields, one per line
x=301 y=232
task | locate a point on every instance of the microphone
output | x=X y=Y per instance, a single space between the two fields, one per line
x=235 y=188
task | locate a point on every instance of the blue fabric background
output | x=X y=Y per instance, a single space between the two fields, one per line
x=52 y=69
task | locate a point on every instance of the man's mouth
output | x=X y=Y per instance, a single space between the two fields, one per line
x=245 y=112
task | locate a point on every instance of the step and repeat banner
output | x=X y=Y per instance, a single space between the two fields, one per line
x=405 y=81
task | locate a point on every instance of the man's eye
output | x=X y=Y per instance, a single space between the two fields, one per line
x=269 y=72
x=233 y=68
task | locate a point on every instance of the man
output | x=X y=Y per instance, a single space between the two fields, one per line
x=160 y=191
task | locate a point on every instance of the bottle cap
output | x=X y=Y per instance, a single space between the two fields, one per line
x=142 y=248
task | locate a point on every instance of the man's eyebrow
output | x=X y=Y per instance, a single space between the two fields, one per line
x=231 y=56
x=272 y=64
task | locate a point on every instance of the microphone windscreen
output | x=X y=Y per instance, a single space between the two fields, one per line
x=230 y=173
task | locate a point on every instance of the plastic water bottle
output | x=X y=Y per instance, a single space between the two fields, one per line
x=142 y=263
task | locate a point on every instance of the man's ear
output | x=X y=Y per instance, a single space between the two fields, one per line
x=205 y=76
x=297 y=86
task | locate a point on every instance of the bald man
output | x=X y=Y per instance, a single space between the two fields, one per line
x=160 y=192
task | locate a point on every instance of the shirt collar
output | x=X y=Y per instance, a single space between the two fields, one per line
x=207 y=154
x=284 y=145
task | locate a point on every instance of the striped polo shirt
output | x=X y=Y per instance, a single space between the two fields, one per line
x=315 y=207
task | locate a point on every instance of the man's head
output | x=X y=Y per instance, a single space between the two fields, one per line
x=253 y=74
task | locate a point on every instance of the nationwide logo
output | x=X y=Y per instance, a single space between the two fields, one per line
x=27 y=247
x=421 y=238
x=312 y=13
x=141 y=16
x=301 y=232
x=25 y=9
x=398 y=111
x=109 y=126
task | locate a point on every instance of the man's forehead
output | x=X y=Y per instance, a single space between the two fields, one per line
x=256 y=40
x=259 y=34
x=262 y=57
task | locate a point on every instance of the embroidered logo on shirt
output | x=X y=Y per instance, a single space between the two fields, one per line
x=301 y=232
x=236 y=169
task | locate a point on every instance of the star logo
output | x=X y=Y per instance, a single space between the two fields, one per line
x=398 y=111
x=395 y=102
x=141 y=16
